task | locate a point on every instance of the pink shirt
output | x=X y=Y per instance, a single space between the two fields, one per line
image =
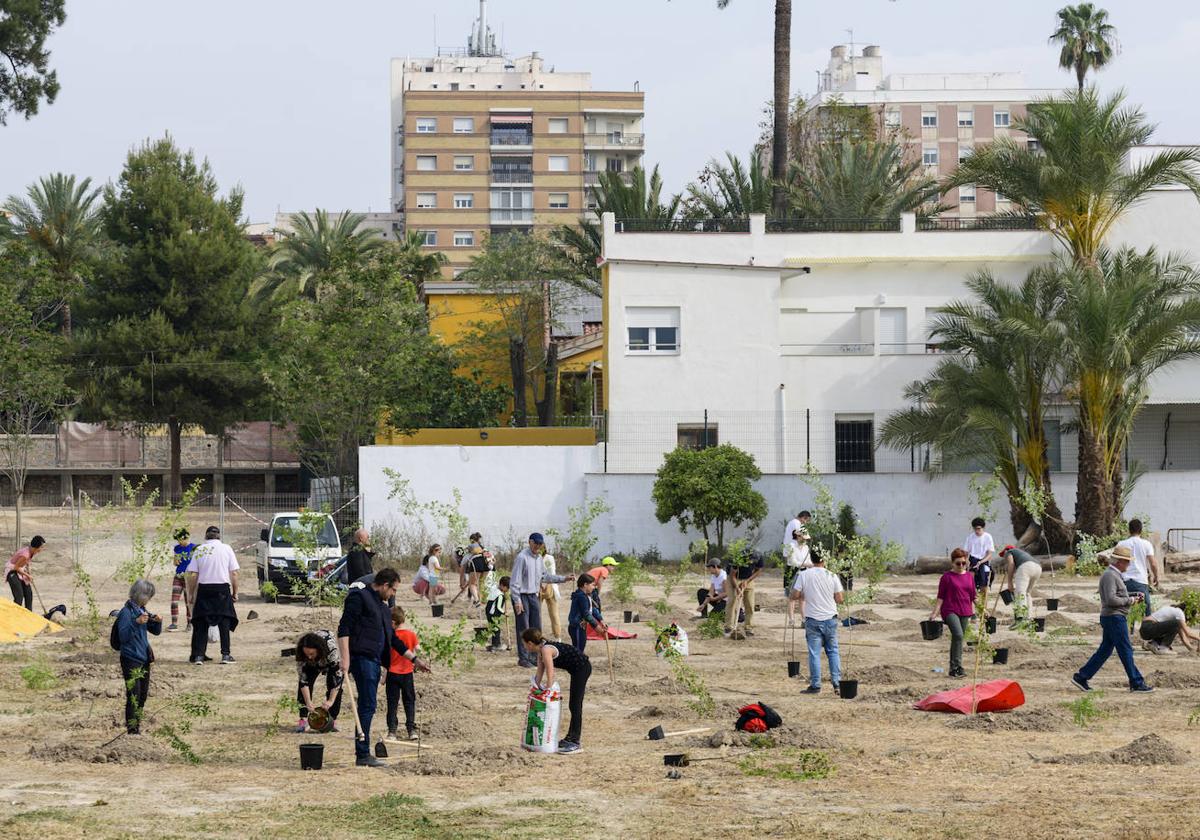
x=24 y=554
x=957 y=593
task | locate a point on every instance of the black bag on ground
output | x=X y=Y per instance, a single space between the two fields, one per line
x=759 y=711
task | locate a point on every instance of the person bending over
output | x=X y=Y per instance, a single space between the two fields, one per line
x=317 y=654
x=551 y=655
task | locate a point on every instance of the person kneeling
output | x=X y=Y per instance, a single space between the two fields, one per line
x=1160 y=629
x=570 y=659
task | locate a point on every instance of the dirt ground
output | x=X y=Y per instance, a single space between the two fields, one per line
x=890 y=771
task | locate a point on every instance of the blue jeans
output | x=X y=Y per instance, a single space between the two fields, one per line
x=578 y=632
x=366 y=684
x=530 y=616
x=822 y=634
x=1133 y=586
x=1116 y=637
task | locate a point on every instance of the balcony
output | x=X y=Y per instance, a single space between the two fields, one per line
x=508 y=216
x=592 y=177
x=615 y=139
x=511 y=176
x=508 y=139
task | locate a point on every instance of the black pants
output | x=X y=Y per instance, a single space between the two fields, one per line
x=332 y=681
x=136 y=691
x=579 y=680
x=22 y=592
x=200 y=635
x=1162 y=632
x=401 y=686
x=702 y=596
x=495 y=614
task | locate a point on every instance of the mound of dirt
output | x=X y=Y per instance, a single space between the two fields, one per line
x=783 y=736
x=1022 y=720
x=468 y=761
x=91 y=657
x=906 y=695
x=1146 y=750
x=1057 y=619
x=77 y=693
x=649 y=712
x=662 y=685
x=887 y=675
x=291 y=624
x=1073 y=603
x=909 y=601
x=1174 y=679
x=127 y=749
x=868 y=615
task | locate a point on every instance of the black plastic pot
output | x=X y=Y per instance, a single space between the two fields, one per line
x=991 y=624
x=312 y=756
x=1006 y=596
x=628 y=616
x=1000 y=656
x=1052 y=604
x=848 y=689
x=380 y=749
x=793 y=668
x=437 y=610
x=1039 y=624
x=931 y=630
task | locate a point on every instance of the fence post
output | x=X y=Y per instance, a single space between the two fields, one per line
x=607 y=432
x=221 y=511
x=807 y=438
x=704 y=445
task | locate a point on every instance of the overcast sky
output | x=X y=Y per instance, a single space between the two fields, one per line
x=290 y=97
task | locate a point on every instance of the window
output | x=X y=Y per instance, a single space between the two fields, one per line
x=464 y=163
x=929 y=119
x=428 y=237
x=426 y=201
x=966 y=194
x=696 y=435
x=964 y=152
x=558 y=163
x=966 y=117
x=614 y=164
x=854 y=443
x=426 y=163
x=1053 y=432
x=464 y=201
x=558 y=125
x=893 y=331
x=929 y=156
x=454 y=86
x=464 y=125
x=891 y=119
x=652 y=329
x=558 y=201
x=1000 y=119
x=464 y=239
x=426 y=125
x=589 y=162
x=1001 y=198
x=511 y=206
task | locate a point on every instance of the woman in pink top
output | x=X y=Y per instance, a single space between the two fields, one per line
x=956 y=603
x=16 y=572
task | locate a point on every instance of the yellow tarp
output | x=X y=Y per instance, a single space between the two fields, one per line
x=18 y=624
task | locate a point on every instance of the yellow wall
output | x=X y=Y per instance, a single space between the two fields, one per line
x=500 y=436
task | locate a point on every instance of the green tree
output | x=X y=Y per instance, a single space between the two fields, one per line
x=168 y=336
x=418 y=263
x=732 y=191
x=1088 y=40
x=862 y=180
x=25 y=74
x=60 y=218
x=707 y=489
x=1078 y=182
x=302 y=260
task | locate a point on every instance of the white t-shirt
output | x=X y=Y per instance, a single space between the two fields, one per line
x=717 y=582
x=1166 y=614
x=1139 y=568
x=979 y=546
x=213 y=561
x=799 y=555
x=818 y=586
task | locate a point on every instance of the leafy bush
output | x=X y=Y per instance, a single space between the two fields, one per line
x=707 y=489
x=651 y=556
x=38 y=676
x=1189 y=599
x=1085 y=711
x=576 y=544
x=454 y=649
x=712 y=626
x=1136 y=613
x=268 y=590
x=627 y=574
x=685 y=675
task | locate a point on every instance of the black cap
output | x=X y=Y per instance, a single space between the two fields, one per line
x=212 y=533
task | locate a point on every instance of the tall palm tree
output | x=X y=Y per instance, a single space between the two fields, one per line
x=419 y=264
x=61 y=219
x=1088 y=40
x=1079 y=181
x=731 y=191
x=1122 y=320
x=865 y=180
x=303 y=258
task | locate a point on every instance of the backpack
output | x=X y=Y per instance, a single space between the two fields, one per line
x=114 y=635
x=757 y=717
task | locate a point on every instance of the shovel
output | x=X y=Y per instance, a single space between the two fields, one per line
x=657 y=734
x=358 y=730
x=683 y=760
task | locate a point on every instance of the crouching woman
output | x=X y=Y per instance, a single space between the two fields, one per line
x=132 y=625
x=552 y=655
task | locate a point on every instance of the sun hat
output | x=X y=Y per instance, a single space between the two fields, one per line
x=1122 y=552
x=609 y=561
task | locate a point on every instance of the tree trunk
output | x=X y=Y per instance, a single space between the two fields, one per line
x=1093 y=493
x=548 y=405
x=66 y=320
x=20 y=505
x=174 y=429
x=783 y=96
x=1080 y=74
x=516 y=363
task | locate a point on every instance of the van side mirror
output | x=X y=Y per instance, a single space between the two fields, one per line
x=264 y=535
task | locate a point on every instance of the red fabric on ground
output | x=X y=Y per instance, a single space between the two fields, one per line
x=595 y=635
x=994 y=696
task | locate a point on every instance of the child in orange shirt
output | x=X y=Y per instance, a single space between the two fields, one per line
x=400 y=677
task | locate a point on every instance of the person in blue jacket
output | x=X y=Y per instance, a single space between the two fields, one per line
x=583 y=612
x=133 y=622
x=183 y=558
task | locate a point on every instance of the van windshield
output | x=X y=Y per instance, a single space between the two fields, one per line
x=283 y=528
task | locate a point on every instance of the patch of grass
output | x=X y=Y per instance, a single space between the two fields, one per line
x=38 y=676
x=789 y=765
x=1194 y=717
x=759 y=741
x=1085 y=710
x=712 y=626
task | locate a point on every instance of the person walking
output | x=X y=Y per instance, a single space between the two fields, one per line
x=528 y=575
x=1142 y=574
x=956 y=604
x=549 y=594
x=364 y=650
x=581 y=615
x=819 y=591
x=317 y=654
x=1115 y=601
x=551 y=655
x=360 y=558
x=1022 y=572
x=1160 y=629
x=179 y=587
x=18 y=574
x=133 y=623
x=426 y=581
x=213 y=590
x=743 y=571
x=981 y=549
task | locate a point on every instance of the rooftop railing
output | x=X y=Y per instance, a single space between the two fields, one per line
x=683 y=225
x=979 y=223
x=833 y=225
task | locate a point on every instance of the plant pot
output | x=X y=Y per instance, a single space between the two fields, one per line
x=848 y=689
x=931 y=630
x=991 y=624
x=1039 y=624
x=628 y=616
x=1006 y=596
x=437 y=610
x=312 y=756
x=1052 y=604
x=380 y=749
x=1000 y=656
x=793 y=668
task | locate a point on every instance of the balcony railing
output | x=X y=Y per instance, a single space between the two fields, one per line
x=614 y=139
x=1001 y=222
x=509 y=216
x=829 y=348
x=592 y=177
x=512 y=139
x=833 y=225
x=683 y=225
x=509 y=176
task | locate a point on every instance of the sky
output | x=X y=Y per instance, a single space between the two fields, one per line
x=290 y=98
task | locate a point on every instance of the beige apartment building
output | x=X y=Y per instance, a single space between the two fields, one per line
x=941 y=116
x=484 y=143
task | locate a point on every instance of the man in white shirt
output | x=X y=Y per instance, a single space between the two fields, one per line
x=1142 y=573
x=819 y=591
x=1161 y=627
x=214 y=588
x=981 y=548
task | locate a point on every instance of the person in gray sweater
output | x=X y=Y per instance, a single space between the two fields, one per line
x=1115 y=601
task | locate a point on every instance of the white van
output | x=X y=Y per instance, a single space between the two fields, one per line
x=277 y=561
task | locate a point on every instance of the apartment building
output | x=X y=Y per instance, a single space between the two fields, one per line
x=484 y=143
x=941 y=116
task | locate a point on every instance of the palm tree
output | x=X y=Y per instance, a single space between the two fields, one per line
x=1088 y=39
x=1122 y=320
x=865 y=180
x=1079 y=181
x=304 y=257
x=60 y=219
x=730 y=192
x=419 y=264
x=989 y=399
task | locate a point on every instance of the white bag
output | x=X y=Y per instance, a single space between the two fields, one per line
x=214 y=633
x=542 y=713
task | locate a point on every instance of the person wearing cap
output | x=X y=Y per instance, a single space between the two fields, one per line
x=1115 y=602
x=1022 y=572
x=713 y=597
x=213 y=589
x=528 y=575
x=600 y=574
x=179 y=588
x=743 y=571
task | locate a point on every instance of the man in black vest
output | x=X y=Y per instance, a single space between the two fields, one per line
x=364 y=642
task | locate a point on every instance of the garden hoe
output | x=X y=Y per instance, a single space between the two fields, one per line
x=684 y=760
x=657 y=734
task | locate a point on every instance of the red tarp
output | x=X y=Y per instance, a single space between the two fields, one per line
x=994 y=696
x=594 y=635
